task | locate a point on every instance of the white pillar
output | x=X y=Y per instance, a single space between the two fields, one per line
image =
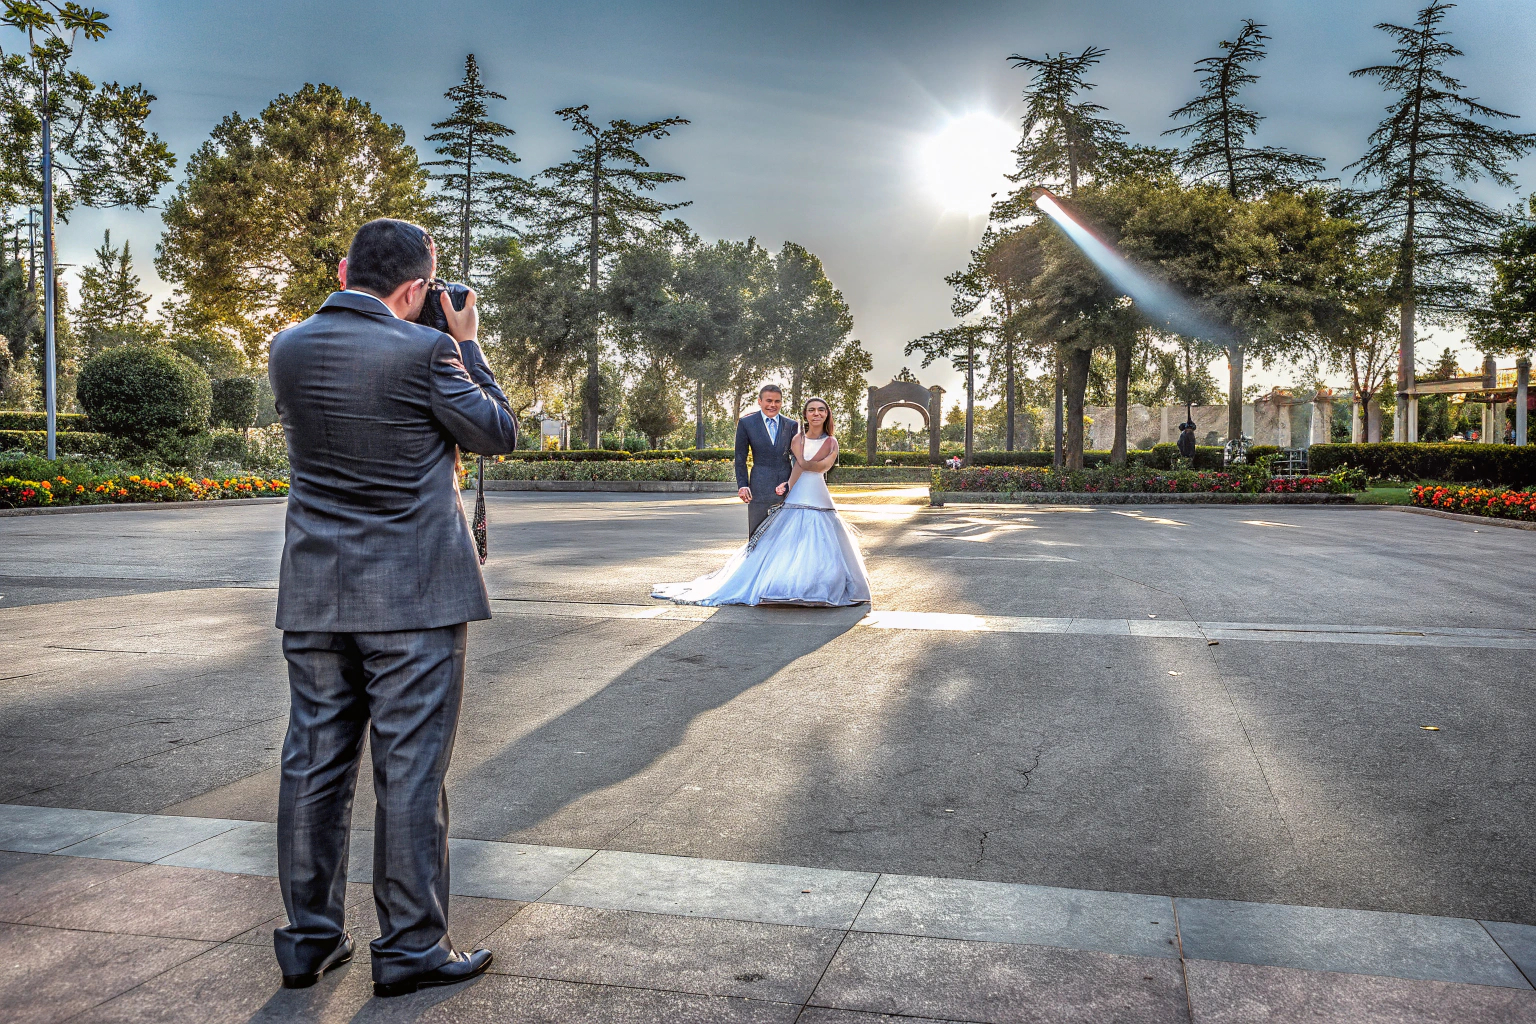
x=1322 y=420
x=1522 y=399
x=1356 y=423
x=1373 y=422
x=1413 y=418
x=1163 y=434
x=1485 y=430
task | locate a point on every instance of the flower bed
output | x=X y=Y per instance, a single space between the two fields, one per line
x=1477 y=501
x=1007 y=479
x=632 y=469
x=63 y=490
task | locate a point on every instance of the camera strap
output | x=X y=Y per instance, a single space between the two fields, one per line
x=478 y=523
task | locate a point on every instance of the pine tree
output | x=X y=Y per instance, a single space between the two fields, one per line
x=112 y=308
x=1064 y=140
x=594 y=203
x=1221 y=126
x=1434 y=138
x=472 y=192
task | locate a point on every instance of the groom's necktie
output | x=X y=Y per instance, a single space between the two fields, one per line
x=773 y=428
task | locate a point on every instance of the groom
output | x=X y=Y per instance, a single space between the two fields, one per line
x=379 y=579
x=767 y=435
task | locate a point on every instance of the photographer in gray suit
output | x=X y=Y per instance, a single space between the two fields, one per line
x=380 y=577
x=766 y=434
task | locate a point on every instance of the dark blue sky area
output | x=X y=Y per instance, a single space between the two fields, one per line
x=807 y=118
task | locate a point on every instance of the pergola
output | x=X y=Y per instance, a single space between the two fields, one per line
x=1494 y=386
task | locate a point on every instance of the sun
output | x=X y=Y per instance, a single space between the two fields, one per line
x=965 y=162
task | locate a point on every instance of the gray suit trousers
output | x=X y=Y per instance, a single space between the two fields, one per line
x=409 y=685
x=757 y=511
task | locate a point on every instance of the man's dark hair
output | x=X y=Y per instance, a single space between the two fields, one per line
x=770 y=387
x=385 y=254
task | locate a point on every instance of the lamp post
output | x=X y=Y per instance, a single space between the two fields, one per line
x=50 y=372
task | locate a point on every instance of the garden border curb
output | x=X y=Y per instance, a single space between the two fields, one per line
x=938 y=499
x=131 y=506
x=624 y=486
x=1518 y=524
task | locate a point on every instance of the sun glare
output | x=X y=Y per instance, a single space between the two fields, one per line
x=965 y=162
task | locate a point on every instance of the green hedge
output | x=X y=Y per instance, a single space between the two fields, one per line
x=1502 y=464
x=608 y=469
x=11 y=419
x=68 y=442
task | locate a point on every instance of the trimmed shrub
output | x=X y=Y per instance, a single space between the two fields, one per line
x=235 y=402
x=1503 y=464
x=21 y=420
x=608 y=469
x=68 y=442
x=153 y=398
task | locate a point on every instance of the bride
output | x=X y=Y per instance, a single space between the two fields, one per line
x=803 y=553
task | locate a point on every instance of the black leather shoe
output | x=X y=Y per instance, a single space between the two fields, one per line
x=338 y=956
x=461 y=967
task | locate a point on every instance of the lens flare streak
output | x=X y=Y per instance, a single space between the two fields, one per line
x=1156 y=300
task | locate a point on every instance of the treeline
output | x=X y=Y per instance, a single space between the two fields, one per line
x=597 y=301
x=1279 y=261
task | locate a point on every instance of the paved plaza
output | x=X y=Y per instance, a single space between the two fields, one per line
x=1220 y=764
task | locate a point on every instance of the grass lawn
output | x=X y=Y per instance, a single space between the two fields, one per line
x=1390 y=494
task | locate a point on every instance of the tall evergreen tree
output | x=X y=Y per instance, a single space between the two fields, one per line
x=471 y=191
x=1433 y=139
x=591 y=205
x=1221 y=126
x=1065 y=140
x=113 y=310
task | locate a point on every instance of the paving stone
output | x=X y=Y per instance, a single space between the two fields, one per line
x=768 y=893
x=239 y=983
x=1350 y=941
x=508 y=871
x=710 y=957
x=948 y=979
x=249 y=850
x=46 y=829
x=1518 y=942
x=174 y=902
x=503 y=999
x=151 y=837
x=33 y=882
x=359 y=912
x=827 y=1015
x=49 y=974
x=953 y=908
x=1227 y=993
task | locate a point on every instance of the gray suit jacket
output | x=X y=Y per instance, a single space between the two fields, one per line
x=374 y=409
x=770 y=458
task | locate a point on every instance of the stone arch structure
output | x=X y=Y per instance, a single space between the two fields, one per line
x=906 y=394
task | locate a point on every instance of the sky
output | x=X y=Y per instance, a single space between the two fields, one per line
x=832 y=124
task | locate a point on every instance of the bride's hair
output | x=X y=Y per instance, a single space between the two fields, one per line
x=826 y=426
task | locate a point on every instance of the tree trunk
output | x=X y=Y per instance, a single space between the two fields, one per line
x=1234 y=391
x=1078 y=360
x=698 y=408
x=970 y=401
x=1008 y=408
x=794 y=392
x=592 y=393
x=1059 y=421
x=1122 y=399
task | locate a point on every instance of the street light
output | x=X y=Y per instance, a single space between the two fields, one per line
x=50 y=372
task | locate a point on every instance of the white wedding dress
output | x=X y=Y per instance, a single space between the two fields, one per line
x=802 y=554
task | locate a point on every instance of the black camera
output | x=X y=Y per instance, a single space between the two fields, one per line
x=432 y=310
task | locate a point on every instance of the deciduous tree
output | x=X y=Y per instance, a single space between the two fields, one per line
x=255 y=232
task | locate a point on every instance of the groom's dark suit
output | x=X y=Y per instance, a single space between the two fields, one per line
x=379 y=578
x=770 y=463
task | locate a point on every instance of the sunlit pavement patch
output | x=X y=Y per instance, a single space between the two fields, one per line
x=953 y=622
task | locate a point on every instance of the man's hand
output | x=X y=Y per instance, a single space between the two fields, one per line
x=463 y=324
x=744 y=493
